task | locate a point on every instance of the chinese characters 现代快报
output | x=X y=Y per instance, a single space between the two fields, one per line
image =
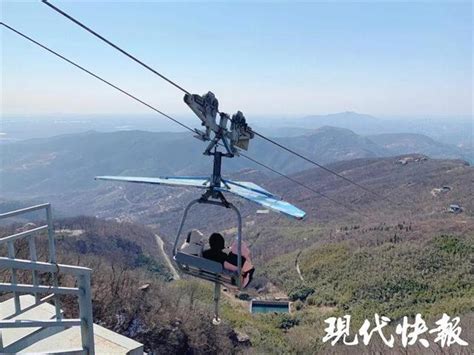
x=448 y=331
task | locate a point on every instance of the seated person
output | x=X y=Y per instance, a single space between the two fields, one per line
x=193 y=244
x=217 y=244
x=232 y=262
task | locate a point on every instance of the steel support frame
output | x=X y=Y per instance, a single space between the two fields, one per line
x=83 y=291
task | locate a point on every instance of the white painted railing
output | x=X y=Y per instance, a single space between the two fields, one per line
x=82 y=291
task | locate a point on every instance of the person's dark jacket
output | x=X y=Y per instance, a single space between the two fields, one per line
x=215 y=254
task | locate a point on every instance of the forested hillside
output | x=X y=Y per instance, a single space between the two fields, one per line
x=395 y=256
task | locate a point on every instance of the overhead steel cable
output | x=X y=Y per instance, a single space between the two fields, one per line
x=77 y=22
x=322 y=167
x=115 y=46
x=303 y=185
x=96 y=76
x=164 y=114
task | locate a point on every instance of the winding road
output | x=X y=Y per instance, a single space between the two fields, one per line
x=298 y=266
x=173 y=270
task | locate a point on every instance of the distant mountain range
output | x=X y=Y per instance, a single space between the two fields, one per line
x=351 y=120
x=456 y=131
x=67 y=163
x=405 y=143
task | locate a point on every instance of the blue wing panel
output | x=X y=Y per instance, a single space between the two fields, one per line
x=263 y=198
x=199 y=182
x=244 y=189
x=251 y=186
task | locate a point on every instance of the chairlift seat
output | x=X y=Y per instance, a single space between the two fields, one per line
x=204 y=268
x=199 y=262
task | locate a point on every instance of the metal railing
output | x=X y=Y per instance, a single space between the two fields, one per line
x=82 y=291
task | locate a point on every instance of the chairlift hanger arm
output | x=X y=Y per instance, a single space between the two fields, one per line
x=218 y=196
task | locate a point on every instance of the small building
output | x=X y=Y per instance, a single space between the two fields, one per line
x=264 y=306
x=441 y=190
x=409 y=159
x=454 y=208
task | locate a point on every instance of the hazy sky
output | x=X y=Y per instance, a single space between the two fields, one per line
x=380 y=58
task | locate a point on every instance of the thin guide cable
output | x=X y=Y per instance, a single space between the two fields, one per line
x=88 y=29
x=96 y=76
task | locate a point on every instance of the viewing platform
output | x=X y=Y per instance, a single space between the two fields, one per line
x=31 y=320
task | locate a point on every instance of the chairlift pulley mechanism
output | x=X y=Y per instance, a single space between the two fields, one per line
x=238 y=135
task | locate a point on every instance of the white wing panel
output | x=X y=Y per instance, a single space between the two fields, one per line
x=199 y=182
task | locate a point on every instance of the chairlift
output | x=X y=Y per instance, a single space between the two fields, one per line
x=215 y=186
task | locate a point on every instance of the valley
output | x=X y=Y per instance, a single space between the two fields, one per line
x=338 y=260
